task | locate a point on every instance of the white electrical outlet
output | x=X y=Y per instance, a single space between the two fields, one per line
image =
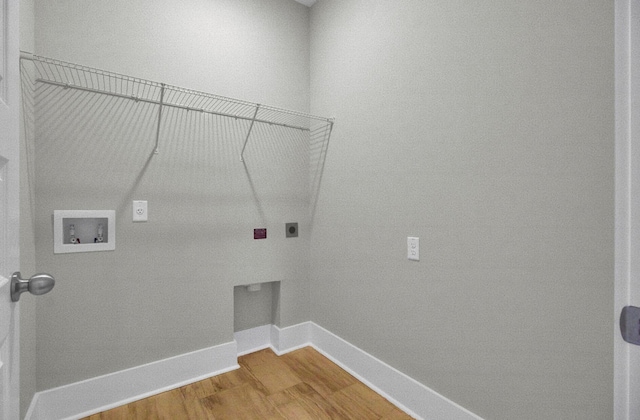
x=140 y=213
x=413 y=248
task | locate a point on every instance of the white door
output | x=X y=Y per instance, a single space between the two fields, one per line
x=9 y=207
x=627 y=284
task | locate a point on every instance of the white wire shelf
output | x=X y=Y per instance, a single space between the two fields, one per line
x=76 y=76
x=274 y=129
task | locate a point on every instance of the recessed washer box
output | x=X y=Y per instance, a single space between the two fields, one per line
x=84 y=231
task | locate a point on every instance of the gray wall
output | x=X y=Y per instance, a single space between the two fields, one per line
x=168 y=288
x=487 y=130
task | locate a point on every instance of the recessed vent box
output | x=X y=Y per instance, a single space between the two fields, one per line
x=84 y=231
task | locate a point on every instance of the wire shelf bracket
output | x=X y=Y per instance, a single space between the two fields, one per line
x=249 y=133
x=159 y=118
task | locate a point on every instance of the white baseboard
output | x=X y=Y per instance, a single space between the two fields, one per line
x=290 y=338
x=408 y=394
x=88 y=397
x=280 y=340
x=81 y=399
x=253 y=339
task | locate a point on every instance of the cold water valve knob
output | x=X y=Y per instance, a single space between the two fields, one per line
x=100 y=237
x=72 y=234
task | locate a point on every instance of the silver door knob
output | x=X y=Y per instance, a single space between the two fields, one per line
x=38 y=284
x=630 y=324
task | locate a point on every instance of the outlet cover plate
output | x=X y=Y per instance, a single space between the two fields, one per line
x=140 y=213
x=413 y=248
x=291 y=230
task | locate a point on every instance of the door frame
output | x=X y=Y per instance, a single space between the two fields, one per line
x=10 y=50
x=627 y=198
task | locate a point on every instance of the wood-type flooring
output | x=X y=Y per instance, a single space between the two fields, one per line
x=302 y=384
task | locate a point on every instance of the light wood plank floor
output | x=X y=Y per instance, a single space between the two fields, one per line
x=302 y=384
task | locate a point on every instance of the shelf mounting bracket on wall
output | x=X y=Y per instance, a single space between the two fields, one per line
x=253 y=120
